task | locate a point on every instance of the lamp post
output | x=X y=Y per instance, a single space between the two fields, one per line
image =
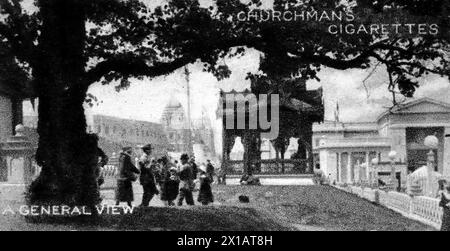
x=393 y=179
x=432 y=143
x=374 y=171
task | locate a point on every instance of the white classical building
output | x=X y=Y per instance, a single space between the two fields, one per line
x=10 y=116
x=342 y=148
x=10 y=112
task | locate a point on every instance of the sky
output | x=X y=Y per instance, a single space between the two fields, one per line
x=145 y=100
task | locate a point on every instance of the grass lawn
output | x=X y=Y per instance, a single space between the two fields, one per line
x=325 y=208
x=174 y=219
x=272 y=208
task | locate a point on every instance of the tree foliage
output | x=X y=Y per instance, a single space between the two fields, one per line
x=128 y=39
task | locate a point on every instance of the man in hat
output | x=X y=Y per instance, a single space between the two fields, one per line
x=210 y=170
x=128 y=173
x=186 y=181
x=194 y=168
x=147 y=178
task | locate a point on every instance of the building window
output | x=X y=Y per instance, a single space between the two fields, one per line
x=106 y=130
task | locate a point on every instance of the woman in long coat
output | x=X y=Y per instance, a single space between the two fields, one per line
x=205 y=196
x=170 y=182
x=128 y=173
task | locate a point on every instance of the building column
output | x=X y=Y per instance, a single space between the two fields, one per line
x=367 y=166
x=349 y=167
x=398 y=143
x=339 y=168
x=17 y=108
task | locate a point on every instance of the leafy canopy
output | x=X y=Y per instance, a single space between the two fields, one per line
x=130 y=39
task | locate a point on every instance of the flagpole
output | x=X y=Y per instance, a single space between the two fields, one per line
x=187 y=74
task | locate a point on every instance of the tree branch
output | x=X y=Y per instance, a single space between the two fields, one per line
x=344 y=64
x=137 y=66
x=128 y=66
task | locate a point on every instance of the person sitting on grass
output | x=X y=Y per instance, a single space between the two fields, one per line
x=249 y=180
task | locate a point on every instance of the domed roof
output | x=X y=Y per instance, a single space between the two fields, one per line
x=173 y=103
x=173 y=115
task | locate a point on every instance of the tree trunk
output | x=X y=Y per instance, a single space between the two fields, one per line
x=66 y=153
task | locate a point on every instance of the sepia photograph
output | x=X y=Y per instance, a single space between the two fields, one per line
x=224 y=122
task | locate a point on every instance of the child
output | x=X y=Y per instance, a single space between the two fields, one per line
x=205 y=196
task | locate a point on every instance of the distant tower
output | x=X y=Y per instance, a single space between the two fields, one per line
x=204 y=133
x=176 y=126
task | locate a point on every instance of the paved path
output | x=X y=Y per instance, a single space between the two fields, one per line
x=277 y=181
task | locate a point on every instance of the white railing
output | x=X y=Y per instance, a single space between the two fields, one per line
x=398 y=201
x=428 y=209
x=423 y=209
x=357 y=190
x=109 y=171
x=370 y=194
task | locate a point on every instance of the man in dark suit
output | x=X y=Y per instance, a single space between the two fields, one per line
x=186 y=181
x=147 y=179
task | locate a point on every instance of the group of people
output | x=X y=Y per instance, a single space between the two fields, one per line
x=175 y=180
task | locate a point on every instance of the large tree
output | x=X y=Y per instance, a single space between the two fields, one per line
x=67 y=45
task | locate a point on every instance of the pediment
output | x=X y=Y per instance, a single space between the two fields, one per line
x=424 y=106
